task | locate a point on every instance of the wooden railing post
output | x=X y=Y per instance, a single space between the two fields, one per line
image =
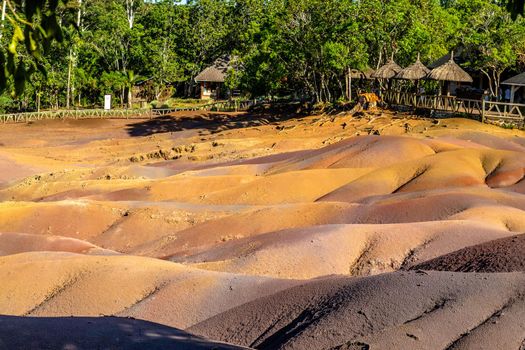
x=483 y=111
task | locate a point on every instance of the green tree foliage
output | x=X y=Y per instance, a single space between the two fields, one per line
x=75 y=51
x=32 y=26
x=492 y=39
x=163 y=56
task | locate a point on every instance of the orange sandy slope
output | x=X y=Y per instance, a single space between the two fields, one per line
x=267 y=232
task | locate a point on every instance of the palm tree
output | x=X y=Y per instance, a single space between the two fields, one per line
x=131 y=80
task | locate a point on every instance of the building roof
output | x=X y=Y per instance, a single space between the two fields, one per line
x=388 y=71
x=216 y=73
x=450 y=71
x=518 y=80
x=415 y=71
x=459 y=57
x=362 y=73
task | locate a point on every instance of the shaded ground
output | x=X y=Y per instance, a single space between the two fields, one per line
x=212 y=122
x=76 y=333
x=502 y=255
x=402 y=310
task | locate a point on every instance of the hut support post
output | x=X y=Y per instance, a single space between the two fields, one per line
x=513 y=90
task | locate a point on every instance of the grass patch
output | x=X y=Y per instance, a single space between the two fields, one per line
x=180 y=103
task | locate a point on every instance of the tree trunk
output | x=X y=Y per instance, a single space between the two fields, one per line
x=347 y=82
x=491 y=87
x=4 y=3
x=380 y=58
x=497 y=78
x=79 y=15
x=130 y=12
x=317 y=90
x=69 y=69
x=38 y=101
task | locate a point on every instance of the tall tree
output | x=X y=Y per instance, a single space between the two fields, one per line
x=490 y=37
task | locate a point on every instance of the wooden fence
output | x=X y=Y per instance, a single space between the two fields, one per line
x=224 y=106
x=73 y=114
x=227 y=106
x=506 y=112
x=482 y=109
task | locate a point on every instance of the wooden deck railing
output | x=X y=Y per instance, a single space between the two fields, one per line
x=485 y=110
x=512 y=112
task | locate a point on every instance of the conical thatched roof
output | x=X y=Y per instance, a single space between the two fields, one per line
x=450 y=71
x=388 y=71
x=362 y=73
x=414 y=72
x=459 y=53
x=216 y=72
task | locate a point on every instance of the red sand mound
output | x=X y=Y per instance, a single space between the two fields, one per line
x=14 y=243
x=29 y=333
x=461 y=168
x=404 y=310
x=358 y=250
x=65 y=284
x=502 y=255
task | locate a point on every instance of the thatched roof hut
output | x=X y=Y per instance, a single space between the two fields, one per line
x=459 y=54
x=216 y=73
x=362 y=73
x=388 y=71
x=415 y=71
x=450 y=71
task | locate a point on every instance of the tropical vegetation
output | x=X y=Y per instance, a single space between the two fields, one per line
x=68 y=54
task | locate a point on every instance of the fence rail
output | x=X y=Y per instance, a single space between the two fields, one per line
x=73 y=114
x=223 y=106
x=226 y=106
x=485 y=110
x=512 y=112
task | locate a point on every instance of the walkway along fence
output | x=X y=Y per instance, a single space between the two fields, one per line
x=484 y=110
x=228 y=106
x=225 y=106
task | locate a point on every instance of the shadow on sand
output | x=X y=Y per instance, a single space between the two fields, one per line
x=75 y=333
x=213 y=122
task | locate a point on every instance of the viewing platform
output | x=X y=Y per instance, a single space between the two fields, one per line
x=480 y=109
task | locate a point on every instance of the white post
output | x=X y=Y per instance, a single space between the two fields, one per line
x=107 y=102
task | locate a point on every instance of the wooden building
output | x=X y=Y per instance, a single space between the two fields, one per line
x=458 y=56
x=515 y=83
x=211 y=80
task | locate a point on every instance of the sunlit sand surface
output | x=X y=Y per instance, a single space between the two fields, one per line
x=321 y=232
